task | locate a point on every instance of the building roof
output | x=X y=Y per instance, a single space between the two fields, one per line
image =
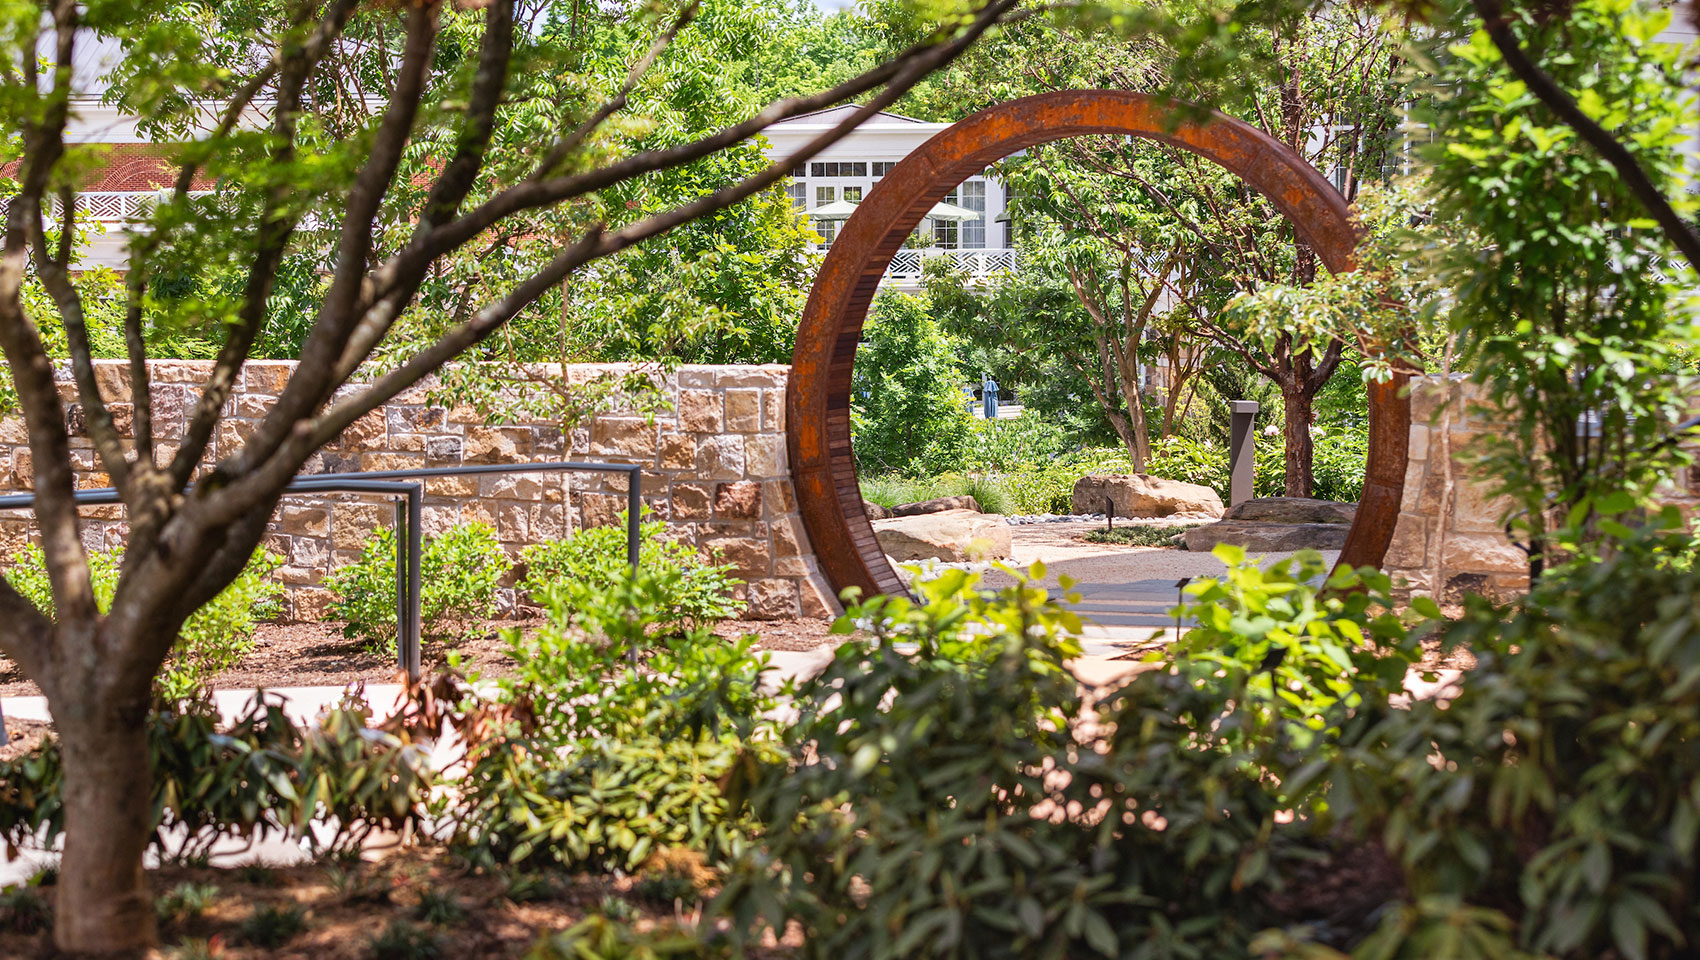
x=832 y=115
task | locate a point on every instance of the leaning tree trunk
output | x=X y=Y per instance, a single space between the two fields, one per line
x=1296 y=433
x=102 y=904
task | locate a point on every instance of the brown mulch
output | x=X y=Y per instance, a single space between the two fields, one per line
x=801 y=634
x=344 y=906
x=317 y=654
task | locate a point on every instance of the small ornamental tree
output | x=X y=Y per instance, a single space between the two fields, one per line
x=395 y=149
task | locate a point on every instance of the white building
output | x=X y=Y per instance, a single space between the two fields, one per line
x=848 y=170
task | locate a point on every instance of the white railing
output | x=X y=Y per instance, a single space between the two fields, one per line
x=909 y=264
x=110 y=206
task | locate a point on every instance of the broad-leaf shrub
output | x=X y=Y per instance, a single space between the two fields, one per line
x=595 y=559
x=956 y=798
x=460 y=570
x=260 y=776
x=1560 y=783
x=212 y=640
x=611 y=736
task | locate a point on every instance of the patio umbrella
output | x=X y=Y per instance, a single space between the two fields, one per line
x=836 y=210
x=952 y=212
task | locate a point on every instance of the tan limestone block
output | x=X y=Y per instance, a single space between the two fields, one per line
x=691 y=501
x=1481 y=553
x=750 y=558
x=743 y=410
x=267 y=377
x=391 y=461
x=720 y=458
x=737 y=501
x=701 y=411
x=352 y=523
x=773 y=410
x=452 y=486
x=764 y=455
x=304 y=520
x=623 y=437
x=1409 y=546
x=366 y=433
x=779 y=497
x=772 y=599
x=678 y=451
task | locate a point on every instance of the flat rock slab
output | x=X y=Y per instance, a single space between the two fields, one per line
x=1139 y=495
x=938 y=505
x=954 y=536
x=1264 y=537
x=1293 y=510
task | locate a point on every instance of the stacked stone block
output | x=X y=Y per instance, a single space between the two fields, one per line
x=714 y=468
x=1447 y=553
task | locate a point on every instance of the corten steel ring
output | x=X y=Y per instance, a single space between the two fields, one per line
x=823 y=469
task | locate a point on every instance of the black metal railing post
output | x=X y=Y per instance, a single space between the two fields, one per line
x=410 y=498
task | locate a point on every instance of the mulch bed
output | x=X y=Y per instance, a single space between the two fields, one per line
x=317 y=654
x=344 y=906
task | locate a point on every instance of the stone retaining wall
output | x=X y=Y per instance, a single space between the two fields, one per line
x=714 y=467
x=1450 y=538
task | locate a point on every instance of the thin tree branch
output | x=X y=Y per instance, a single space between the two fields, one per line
x=223 y=502
x=1679 y=231
x=54 y=269
x=615 y=104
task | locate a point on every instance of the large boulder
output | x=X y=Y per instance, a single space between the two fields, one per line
x=938 y=505
x=1293 y=510
x=874 y=510
x=1261 y=537
x=954 y=536
x=1139 y=495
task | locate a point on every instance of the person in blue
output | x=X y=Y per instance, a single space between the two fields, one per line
x=989 y=396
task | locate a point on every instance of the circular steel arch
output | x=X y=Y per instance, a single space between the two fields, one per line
x=823 y=470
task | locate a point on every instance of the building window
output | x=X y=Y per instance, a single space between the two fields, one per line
x=883 y=167
x=825 y=195
x=828 y=229
x=852 y=194
x=945 y=232
x=839 y=169
x=974 y=198
x=799 y=194
x=800 y=170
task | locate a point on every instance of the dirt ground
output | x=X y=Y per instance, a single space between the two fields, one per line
x=343 y=907
x=317 y=654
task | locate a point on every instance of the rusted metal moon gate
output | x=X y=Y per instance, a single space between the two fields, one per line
x=818 y=398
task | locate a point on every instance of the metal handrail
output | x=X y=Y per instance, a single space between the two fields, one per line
x=409 y=524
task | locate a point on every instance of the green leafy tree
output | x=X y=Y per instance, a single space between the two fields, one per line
x=1558 y=308
x=907 y=410
x=443 y=169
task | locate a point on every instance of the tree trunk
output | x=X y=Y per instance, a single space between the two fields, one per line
x=103 y=907
x=1296 y=432
x=1125 y=429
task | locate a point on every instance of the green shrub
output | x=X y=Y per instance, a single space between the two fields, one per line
x=607 y=938
x=185 y=902
x=271 y=926
x=1138 y=535
x=460 y=570
x=401 y=940
x=1011 y=445
x=595 y=558
x=907 y=412
x=212 y=640
x=953 y=801
x=1560 y=783
x=610 y=737
x=439 y=908
x=257 y=777
x=24 y=910
x=1338 y=457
